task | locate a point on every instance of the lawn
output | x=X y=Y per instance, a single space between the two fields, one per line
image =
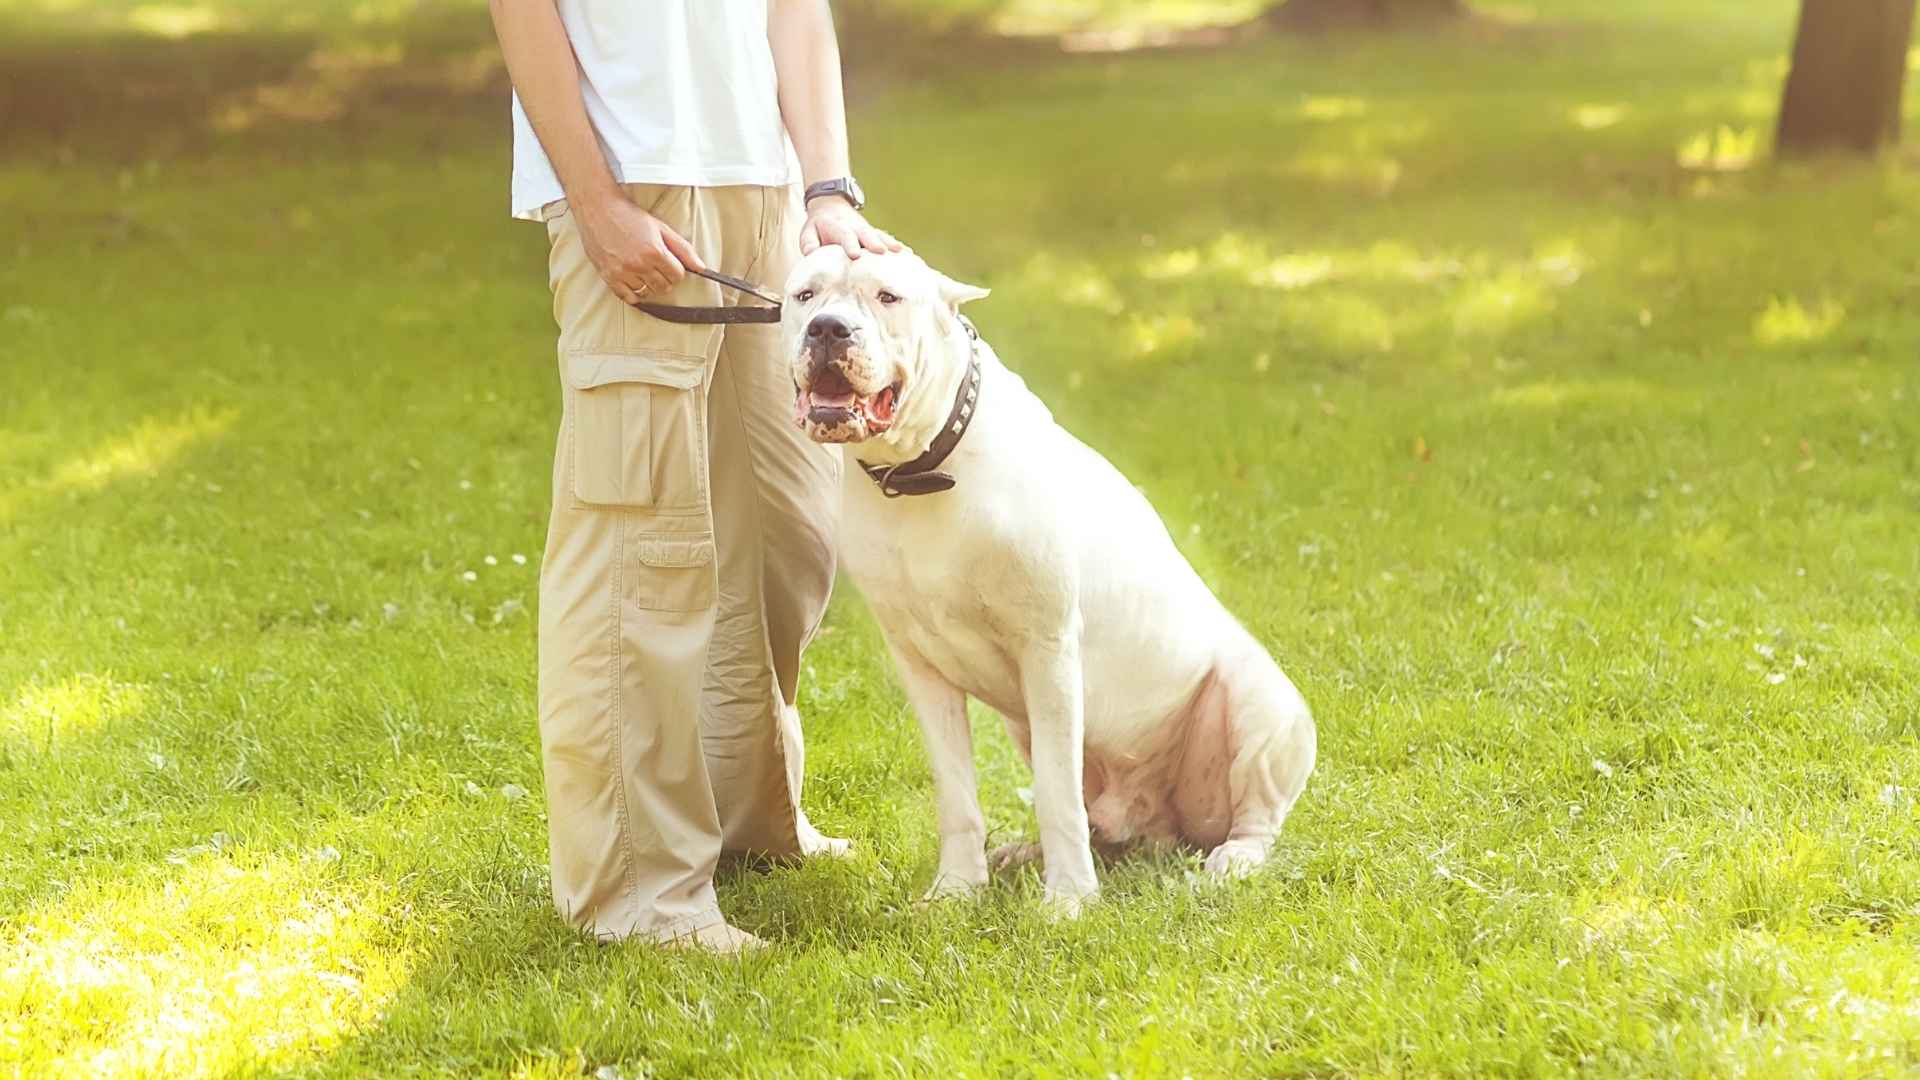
x=1563 y=449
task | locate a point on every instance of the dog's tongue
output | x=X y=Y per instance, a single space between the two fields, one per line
x=819 y=400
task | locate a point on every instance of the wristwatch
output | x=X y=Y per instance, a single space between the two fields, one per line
x=846 y=187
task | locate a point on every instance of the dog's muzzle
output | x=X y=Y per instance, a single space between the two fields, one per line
x=830 y=403
x=828 y=340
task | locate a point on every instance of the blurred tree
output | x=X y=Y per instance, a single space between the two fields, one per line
x=1327 y=14
x=1849 y=68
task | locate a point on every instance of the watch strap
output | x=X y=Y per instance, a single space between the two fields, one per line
x=843 y=186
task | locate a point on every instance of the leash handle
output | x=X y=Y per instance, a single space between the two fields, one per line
x=740 y=285
x=726 y=315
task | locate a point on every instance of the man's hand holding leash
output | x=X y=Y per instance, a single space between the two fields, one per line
x=635 y=252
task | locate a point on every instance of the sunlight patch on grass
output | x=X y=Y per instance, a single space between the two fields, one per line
x=1709 y=543
x=1374 y=174
x=1511 y=14
x=1160 y=332
x=45 y=7
x=1236 y=256
x=229 y=964
x=1553 y=395
x=1294 y=271
x=1789 y=322
x=1171 y=264
x=1813 y=1003
x=1332 y=108
x=1075 y=282
x=1350 y=323
x=1597 y=117
x=1493 y=306
x=143 y=451
x=1125 y=23
x=42 y=714
x=173 y=21
x=1629 y=921
x=1723 y=149
x=1388 y=260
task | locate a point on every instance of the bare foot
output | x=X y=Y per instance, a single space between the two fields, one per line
x=814 y=843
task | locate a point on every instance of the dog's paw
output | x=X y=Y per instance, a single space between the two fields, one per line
x=1236 y=859
x=950 y=887
x=1008 y=856
x=1061 y=905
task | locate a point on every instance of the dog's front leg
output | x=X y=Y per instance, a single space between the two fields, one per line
x=944 y=727
x=1056 y=716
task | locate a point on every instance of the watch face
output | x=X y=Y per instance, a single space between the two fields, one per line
x=846 y=186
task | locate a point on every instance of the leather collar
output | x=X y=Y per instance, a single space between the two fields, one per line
x=921 y=476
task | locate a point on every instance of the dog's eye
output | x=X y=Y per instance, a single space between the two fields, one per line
x=803 y=296
x=888 y=298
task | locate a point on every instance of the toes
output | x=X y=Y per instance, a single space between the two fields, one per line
x=1235 y=859
x=813 y=842
x=832 y=847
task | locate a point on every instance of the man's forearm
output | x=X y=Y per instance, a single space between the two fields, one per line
x=807 y=60
x=541 y=63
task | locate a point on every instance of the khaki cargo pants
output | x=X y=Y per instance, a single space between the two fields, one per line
x=689 y=558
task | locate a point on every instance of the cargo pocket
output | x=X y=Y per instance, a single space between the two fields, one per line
x=637 y=432
x=675 y=573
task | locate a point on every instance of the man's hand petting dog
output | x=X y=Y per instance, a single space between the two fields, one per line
x=832 y=220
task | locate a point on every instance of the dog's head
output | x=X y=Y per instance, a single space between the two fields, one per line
x=866 y=336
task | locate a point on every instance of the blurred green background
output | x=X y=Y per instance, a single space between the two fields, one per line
x=1558 y=439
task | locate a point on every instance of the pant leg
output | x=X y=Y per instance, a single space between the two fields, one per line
x=776 y=502
x=627 y=599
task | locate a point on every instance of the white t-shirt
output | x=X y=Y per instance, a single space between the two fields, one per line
x=679 y=91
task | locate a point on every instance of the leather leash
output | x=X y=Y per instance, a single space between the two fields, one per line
x=722 y=315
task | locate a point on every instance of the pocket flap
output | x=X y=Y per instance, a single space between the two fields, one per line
x=586 y=370
x=674 y=550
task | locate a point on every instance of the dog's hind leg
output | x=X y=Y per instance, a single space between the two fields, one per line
x=1274 y=744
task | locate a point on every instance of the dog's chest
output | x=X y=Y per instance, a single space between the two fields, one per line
x=945 y=591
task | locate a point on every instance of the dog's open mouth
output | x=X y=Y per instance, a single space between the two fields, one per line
x=836 y=412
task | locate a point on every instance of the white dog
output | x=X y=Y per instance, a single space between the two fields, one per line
x=1006 y=560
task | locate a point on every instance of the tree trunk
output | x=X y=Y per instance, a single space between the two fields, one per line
x=1849 y=69
x=1334 y=14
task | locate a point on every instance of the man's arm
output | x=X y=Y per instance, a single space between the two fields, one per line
x=807 y=60
x=635 y=252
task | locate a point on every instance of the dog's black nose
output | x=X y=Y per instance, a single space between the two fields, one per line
x=829 y=326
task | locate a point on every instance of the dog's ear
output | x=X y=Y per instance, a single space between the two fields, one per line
x=956 y=293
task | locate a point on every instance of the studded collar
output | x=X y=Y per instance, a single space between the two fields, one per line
x=922 y=475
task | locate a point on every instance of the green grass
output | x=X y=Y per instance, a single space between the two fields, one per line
x=1566 y=458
